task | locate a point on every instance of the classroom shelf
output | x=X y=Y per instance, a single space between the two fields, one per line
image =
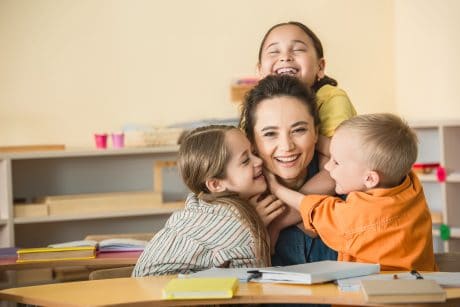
x=166 y=208
x=28 y=176
x=439 y=142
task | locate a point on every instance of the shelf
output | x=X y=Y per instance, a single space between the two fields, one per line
x=166 y=208
x=428 y=177
x=85 y=152
x=453 y=177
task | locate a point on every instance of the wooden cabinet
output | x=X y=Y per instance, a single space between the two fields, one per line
x=439 y=142
x=25 y=177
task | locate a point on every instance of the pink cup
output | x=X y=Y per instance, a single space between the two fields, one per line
x=118 y=140
x=101 y=140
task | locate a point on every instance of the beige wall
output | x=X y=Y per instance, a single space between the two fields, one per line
x=427 y=48
x=69 y=68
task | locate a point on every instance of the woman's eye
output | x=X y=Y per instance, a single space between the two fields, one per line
x=300 y=130
x=300 y=50
x=246 y=161
x=269 y=134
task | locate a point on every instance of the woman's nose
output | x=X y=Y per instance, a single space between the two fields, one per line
x=287 y=144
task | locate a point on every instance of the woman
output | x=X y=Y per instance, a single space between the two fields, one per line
x=281 y=121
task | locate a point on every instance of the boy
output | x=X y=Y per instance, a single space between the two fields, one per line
x=385 y=218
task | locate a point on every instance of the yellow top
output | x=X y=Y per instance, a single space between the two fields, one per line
x=334 y=107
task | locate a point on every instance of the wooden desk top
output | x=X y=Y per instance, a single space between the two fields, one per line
x=102 y=259
x=147 y=292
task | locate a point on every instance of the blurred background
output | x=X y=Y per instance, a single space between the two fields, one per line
x=70 y=68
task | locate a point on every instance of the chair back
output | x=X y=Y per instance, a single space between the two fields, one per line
x=111 y=273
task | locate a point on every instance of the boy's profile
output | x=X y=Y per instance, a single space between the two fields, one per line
x=385 y=218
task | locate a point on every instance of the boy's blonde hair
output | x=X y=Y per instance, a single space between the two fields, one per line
x=203 y=155
x=389 y=144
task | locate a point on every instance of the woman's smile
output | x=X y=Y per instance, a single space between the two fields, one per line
x=287 y=161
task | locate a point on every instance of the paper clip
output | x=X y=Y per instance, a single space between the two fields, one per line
x=416 y=274
x=253 y=274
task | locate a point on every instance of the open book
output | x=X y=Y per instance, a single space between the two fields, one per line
x=107 y=245
x=307 y=273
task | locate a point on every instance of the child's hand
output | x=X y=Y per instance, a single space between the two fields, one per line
x=272 y=182
x=268 y=208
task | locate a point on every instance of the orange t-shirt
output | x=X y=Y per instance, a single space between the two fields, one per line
x=391 y=227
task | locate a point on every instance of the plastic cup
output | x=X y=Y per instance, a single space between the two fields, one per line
x=101 y=140
x=118 y=140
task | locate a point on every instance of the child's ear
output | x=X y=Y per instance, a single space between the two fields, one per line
x=259 y=71
x=371 y=179
x=321 y=68
x=215 y=185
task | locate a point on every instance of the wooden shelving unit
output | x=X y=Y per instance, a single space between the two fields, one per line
x=25 y=176
x=439 y=141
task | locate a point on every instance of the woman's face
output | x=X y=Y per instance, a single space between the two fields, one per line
x=285 y=137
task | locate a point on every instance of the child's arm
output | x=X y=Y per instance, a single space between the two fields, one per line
x=290 y=197
x=321 y=183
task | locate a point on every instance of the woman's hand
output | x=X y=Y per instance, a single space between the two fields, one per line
x=268 y=207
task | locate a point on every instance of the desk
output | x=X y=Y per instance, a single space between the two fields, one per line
x=146 y=291
x=101 y=260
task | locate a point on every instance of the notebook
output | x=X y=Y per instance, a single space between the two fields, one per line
x=200 y=288
x=49 y=253
x=402 y=291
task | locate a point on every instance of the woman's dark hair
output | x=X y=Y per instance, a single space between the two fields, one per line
x=275 y=86
x=316 y=44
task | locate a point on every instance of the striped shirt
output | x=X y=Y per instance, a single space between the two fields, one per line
x=197 y=238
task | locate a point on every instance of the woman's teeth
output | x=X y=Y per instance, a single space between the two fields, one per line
x=287 y=159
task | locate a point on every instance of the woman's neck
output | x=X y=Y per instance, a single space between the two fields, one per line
x=295 y=183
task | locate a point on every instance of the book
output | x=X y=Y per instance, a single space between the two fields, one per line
x=316 y=272
x=200 y=288
x=51 y=253
x=107 y=245
x=240 y=273
x=402 y=291
x=307 y=273
x=8 y=252
x=444 y=279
